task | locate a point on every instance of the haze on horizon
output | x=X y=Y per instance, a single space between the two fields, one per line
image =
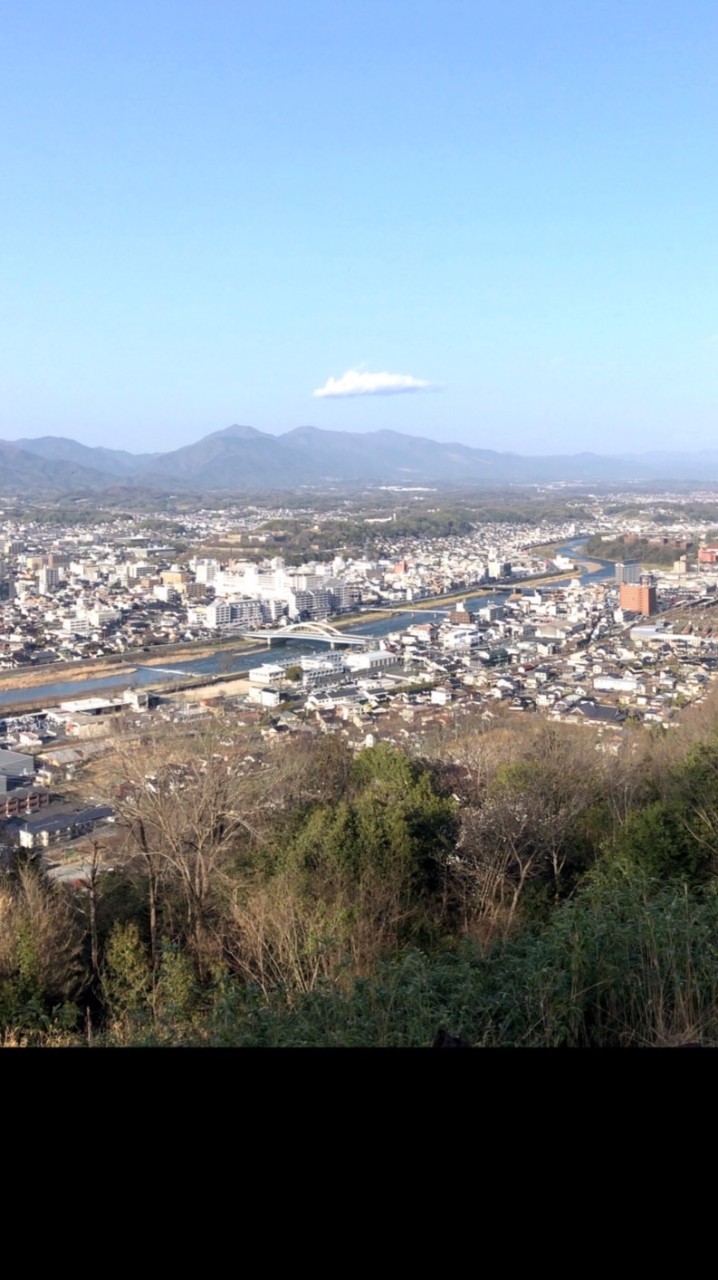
x=488 y=223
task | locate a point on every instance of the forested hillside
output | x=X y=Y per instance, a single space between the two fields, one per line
x=516 y=886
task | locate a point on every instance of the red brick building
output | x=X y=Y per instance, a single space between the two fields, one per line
x=639 y=597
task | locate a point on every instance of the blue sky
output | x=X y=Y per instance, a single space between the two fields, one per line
x=208 y=210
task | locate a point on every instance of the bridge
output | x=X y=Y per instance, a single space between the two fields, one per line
x=308 y=631
x=408 y=608
x=170 y=671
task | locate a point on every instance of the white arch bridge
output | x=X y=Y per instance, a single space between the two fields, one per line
x=308 y=631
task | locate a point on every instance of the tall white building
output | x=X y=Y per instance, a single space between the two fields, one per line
x=206 y=571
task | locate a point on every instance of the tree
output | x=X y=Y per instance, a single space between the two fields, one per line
x=528 y=824
x=40 y=948
x=183 y=804
x=675 y=837
x=349 y=872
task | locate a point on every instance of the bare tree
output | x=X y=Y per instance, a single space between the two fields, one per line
x=524 y=821
x=40 y=936
x=182 y=800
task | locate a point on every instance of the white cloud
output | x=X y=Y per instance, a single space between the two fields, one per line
x=355 y=382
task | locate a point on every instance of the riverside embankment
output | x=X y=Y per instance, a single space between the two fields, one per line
x=214 y=663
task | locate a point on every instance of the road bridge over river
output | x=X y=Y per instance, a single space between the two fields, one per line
x=322 y=631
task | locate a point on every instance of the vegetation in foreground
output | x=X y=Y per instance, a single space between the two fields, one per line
x=516 y=886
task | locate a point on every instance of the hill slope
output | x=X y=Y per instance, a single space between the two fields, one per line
x=241 y=458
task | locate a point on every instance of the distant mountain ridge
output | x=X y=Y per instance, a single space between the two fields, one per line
x=241 y=458
x=115 y=462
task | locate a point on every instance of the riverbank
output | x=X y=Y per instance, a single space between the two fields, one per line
x=126 y=664
x=457 y=597
x=472 y=593
x=225 y=686
x=122 y=664
x=552 y=549
x=110 y=676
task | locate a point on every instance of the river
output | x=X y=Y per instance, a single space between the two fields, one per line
x=225 y=662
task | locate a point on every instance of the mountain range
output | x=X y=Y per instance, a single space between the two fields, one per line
x=243 y=459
